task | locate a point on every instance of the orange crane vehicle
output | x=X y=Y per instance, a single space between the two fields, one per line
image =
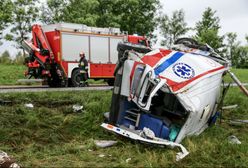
x=54 y=52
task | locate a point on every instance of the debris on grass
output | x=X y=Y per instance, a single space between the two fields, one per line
x=128 y=160
x=77 y=108
x=148 y=133
x=29 y=105
x=106 y=115
x=101 y=155
x=238 y=122
x=230 y=107
x=5 y=102
x=7 y=161
x=233 y=140
x=104 y=143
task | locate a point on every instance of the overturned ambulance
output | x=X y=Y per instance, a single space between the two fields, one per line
x=161 y=96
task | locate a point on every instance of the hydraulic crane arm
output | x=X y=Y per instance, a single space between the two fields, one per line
x=40 y=41
x=39 y=46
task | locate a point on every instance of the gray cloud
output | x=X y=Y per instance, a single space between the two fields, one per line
x=233 y=13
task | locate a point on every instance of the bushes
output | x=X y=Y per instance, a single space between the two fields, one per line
x=6 y=59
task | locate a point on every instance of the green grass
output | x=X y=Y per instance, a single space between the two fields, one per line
x=242 y=75
x=51 y=134
x=9 y=74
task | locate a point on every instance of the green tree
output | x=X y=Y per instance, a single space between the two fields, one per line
x=107 y=14
x=137 y=16
x=52 y=11
x=5 y=58
x=207 y=30
x=82 y=12
x=25 y=12
x=241 y=57
x=231 y=46
x=173 y=28
x=134 y=16
x=6 y=8
x=19 y=58
x=246 y=38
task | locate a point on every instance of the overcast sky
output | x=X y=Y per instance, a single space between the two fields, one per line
x=233 y=15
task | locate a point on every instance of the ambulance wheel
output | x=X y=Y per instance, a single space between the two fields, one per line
x=121 y=47
x=189 y=42
x=186 y=41
x=75 y=78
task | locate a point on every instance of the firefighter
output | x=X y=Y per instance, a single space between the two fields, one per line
x=83 y=67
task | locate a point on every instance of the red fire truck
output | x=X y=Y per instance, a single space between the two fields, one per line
x=54 y=52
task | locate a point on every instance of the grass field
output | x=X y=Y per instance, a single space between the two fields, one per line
x=242 y=74
x=11 y=73
x=52 y=135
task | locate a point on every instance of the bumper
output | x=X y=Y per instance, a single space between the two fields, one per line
x=158 y=141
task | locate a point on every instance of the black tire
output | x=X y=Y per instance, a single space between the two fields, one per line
x=55 y=80
x=75 y=78
x=122 y=47
x=69 y=82
x=189 y=42
x=110 y=82
x=122 y=55
x=186 y=41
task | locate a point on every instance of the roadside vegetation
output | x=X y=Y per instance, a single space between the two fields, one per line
x=10 y=73
x=52 y=135
x=242 y=75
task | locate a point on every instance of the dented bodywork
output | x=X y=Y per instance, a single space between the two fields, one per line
x=162 y=96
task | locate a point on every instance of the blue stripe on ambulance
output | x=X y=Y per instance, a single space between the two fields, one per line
x=168 y=62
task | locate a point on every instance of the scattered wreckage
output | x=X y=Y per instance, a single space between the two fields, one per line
x=6 y=161
x=161 y=96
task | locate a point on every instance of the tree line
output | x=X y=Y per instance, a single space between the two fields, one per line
x=5 y=58
x=135 y=16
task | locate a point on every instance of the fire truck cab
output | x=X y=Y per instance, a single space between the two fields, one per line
x=54 y=52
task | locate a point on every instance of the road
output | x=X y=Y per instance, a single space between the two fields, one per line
x=9 y=89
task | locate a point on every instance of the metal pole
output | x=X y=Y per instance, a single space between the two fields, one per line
x=237 y=81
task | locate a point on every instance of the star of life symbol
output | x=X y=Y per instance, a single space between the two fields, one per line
x=183 y=71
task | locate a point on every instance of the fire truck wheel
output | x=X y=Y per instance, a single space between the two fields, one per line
x=54 y=82
x=110 y=82
x=75 y=78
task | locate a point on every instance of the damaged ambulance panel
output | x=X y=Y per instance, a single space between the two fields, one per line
x=162 y=96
